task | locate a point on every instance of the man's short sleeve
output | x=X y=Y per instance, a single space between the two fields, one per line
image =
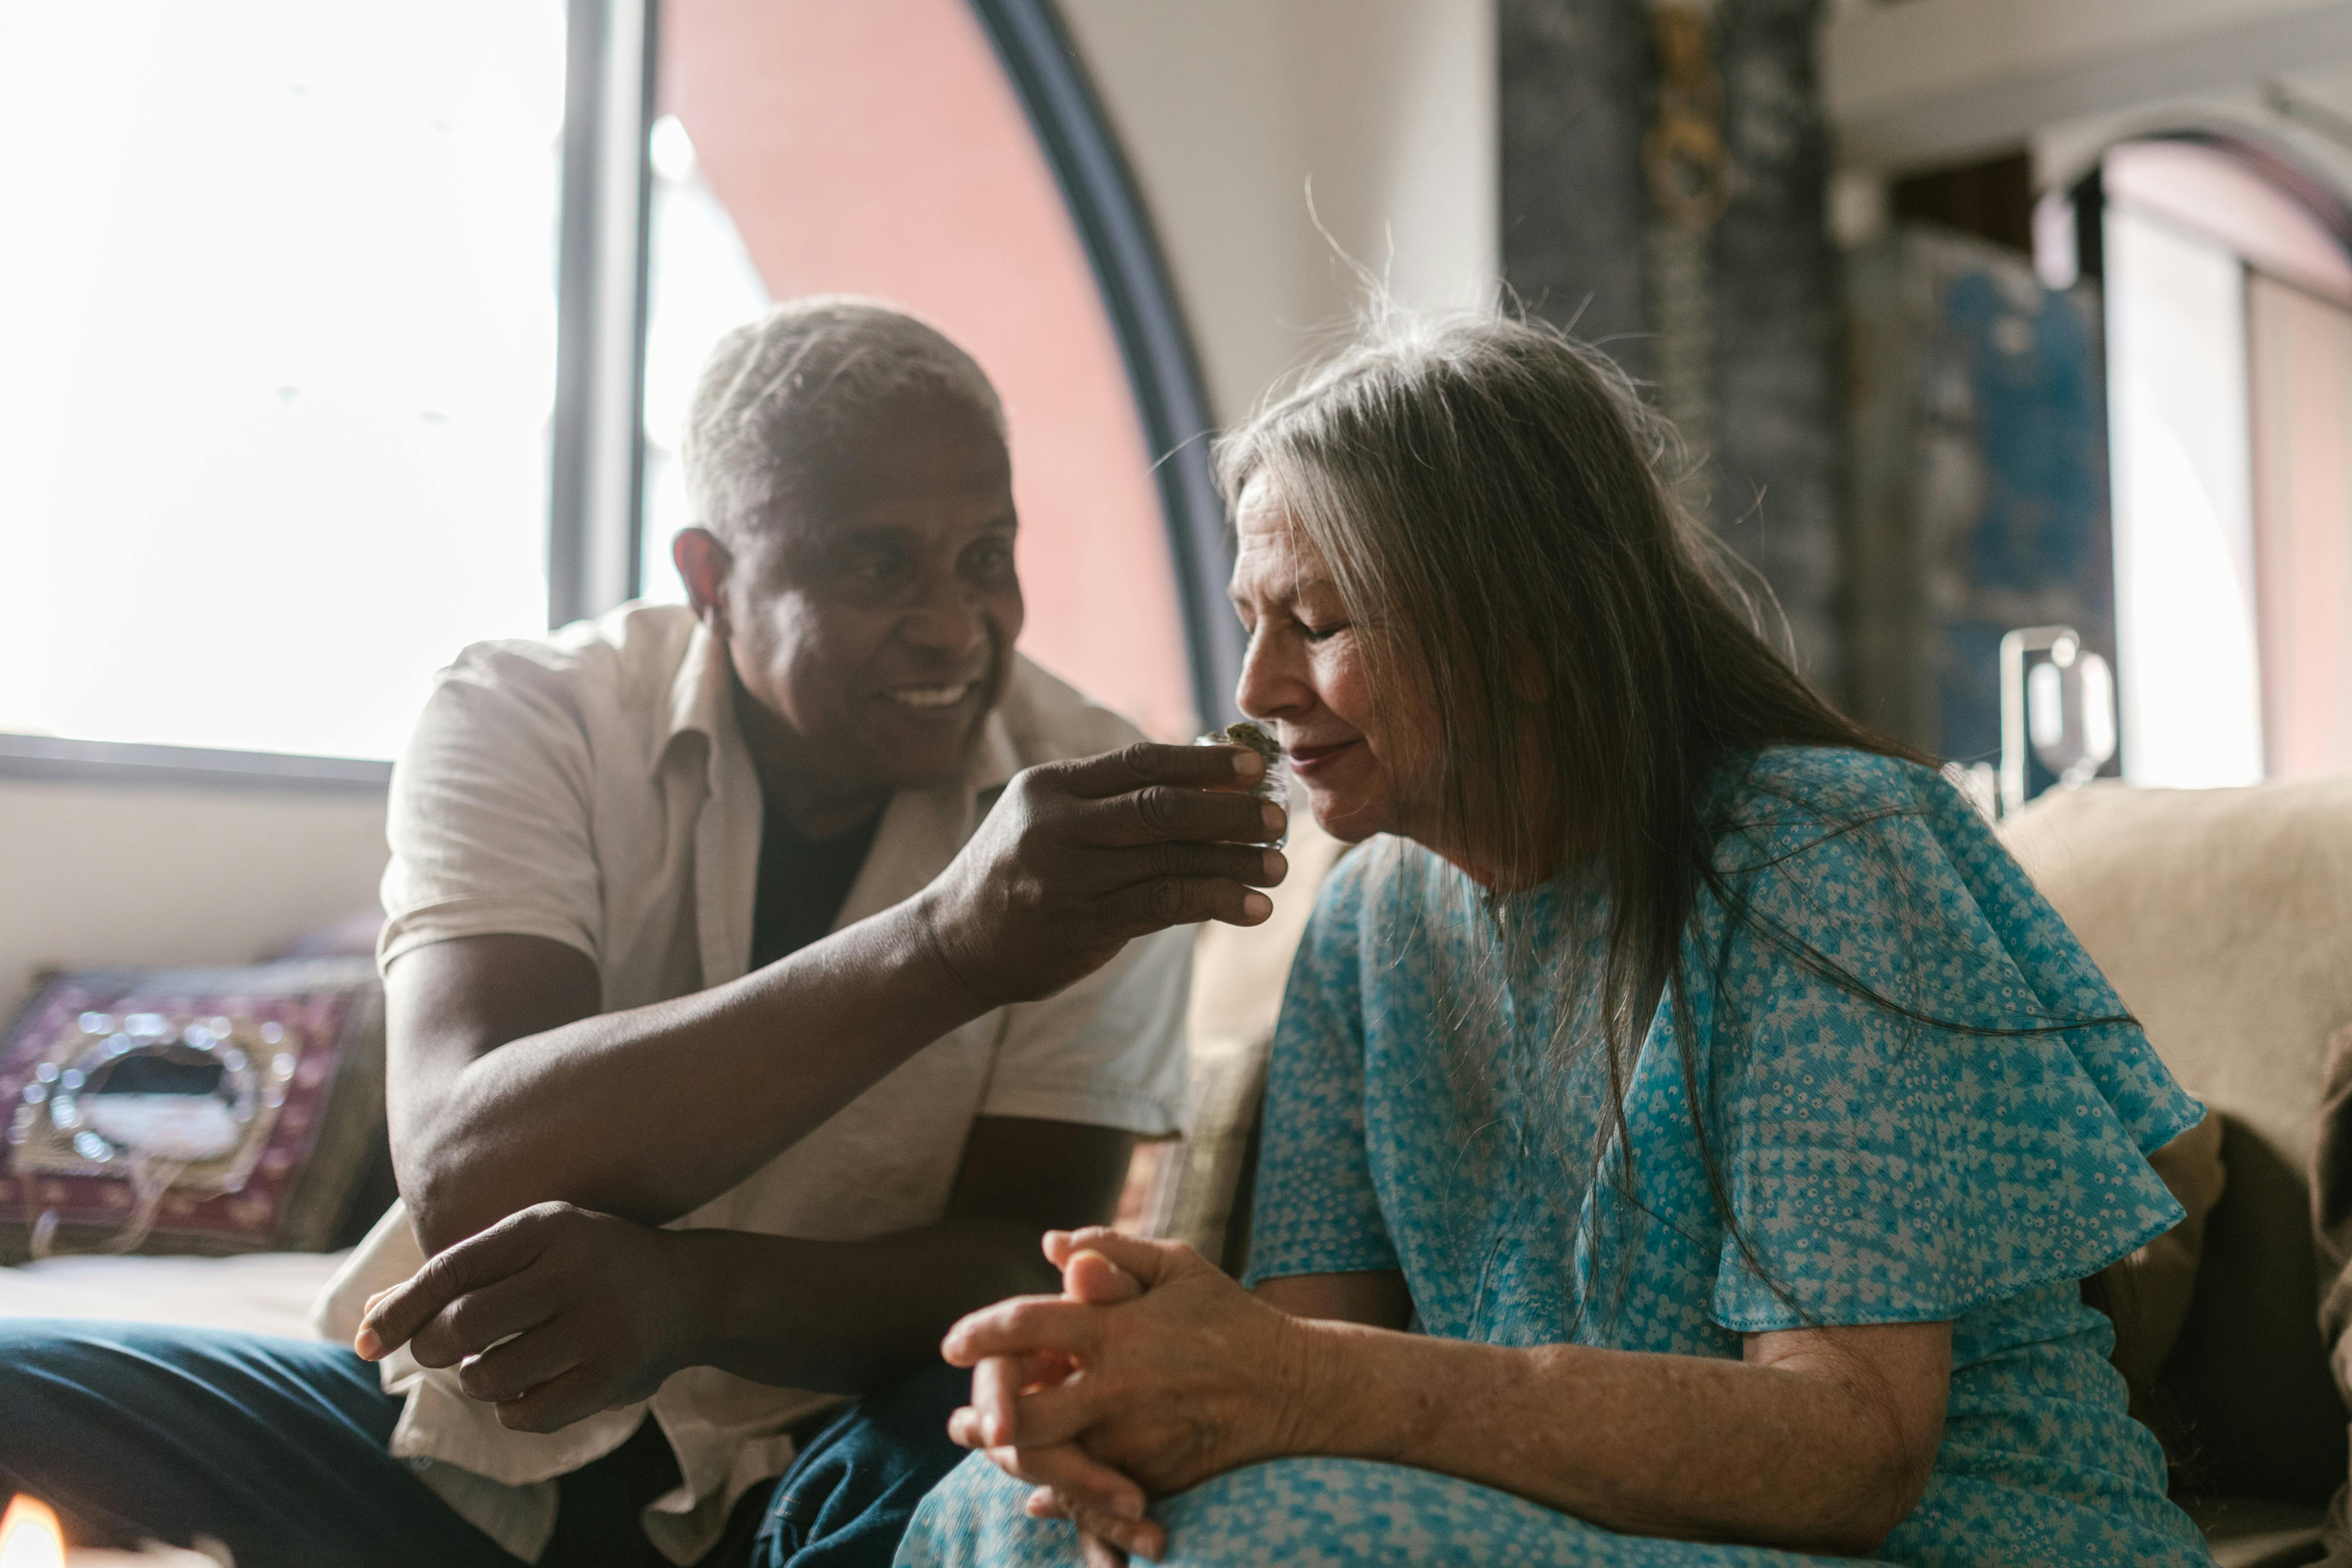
x=489 y=821
x=1110 y=1050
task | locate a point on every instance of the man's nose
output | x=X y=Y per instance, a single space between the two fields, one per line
x=948 y=619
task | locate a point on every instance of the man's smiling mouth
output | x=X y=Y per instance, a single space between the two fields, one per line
x=932 y=696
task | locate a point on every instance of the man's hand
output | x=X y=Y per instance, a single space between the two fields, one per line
x=1079 y=857
x=551 y=1314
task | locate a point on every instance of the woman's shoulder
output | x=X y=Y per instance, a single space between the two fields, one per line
x=1827 y=781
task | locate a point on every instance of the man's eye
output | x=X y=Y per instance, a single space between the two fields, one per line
x=874 y=568
x=988 y=559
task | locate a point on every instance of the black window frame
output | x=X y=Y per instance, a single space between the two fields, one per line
x=595 y=505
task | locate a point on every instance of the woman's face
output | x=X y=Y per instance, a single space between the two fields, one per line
x=1368 y=759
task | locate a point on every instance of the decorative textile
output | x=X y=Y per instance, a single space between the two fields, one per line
x=1880 y=1170
x=279 y=1067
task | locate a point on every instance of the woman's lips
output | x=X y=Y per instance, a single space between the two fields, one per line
x=1309 y=761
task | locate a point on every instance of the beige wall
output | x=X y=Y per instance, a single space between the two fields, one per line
x=1228 y=109
x=107 y=874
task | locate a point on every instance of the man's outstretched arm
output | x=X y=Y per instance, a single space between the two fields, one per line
x=556 y=1312
x=508 y=1088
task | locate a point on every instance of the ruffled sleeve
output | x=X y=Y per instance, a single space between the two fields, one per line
x=1887 y=1164
x=1316 y=1210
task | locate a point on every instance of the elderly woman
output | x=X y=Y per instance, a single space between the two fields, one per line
x=1687 y=1128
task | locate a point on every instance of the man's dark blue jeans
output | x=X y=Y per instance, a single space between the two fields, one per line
x=276 y=1447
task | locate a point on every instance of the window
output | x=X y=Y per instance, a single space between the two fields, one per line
x=276 y=353
x=2229 y=389
x=332 y=339
x=806 y=148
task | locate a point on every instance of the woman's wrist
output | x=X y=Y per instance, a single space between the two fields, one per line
x=1324 y=1380
x=1356 y=1392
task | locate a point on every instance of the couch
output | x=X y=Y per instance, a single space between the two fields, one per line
x=2224 y=919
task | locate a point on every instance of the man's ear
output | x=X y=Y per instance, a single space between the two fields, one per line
x=704 y=561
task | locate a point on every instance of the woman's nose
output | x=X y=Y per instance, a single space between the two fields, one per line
x=1273 y=683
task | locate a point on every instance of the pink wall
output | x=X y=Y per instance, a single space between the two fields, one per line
x=877 y=148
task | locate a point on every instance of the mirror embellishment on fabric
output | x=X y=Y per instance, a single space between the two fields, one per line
x=165 y=1102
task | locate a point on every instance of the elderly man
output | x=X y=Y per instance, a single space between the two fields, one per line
x=763 y=977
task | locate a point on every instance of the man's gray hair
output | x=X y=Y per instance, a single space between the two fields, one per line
x=776 y=391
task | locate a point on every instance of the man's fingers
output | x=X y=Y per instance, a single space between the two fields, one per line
x=1161 y=814
x=556 y=1404
x=1182 y=901
x=1021 y=1326
x=507 y=1247
x=1245 y=863
x=521 y=1365
x=1146 y=762
x=480 y=1319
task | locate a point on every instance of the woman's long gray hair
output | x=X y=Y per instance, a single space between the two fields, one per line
x=1492 y=499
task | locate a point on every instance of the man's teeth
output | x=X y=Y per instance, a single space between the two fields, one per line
x=932 y=696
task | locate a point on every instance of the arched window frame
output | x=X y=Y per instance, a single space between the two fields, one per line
x=595 y=499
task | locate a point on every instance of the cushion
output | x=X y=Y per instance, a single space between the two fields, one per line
x=212 y=1111
x=2223 y=917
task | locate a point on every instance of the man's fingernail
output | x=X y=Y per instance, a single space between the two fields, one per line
x=1247 y=763
x=1271 y=815
x=368 y=1343
x=1257 y=906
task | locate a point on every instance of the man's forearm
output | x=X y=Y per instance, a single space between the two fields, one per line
x=847 y=1317
x=650 y=1112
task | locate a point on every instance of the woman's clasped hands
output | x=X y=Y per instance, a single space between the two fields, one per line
x=1151 y=1372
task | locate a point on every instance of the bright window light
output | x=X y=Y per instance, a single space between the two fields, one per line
x=277 y=360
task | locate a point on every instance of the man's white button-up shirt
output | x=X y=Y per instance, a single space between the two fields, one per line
x=592 y=788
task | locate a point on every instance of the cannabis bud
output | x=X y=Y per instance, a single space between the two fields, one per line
x=1273 y=784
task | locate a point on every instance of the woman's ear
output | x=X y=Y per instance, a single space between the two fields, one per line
x=704 y=561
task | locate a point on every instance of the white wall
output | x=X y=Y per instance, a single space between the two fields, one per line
x=142 y=874
x=1228 y=109
x=1935 y=81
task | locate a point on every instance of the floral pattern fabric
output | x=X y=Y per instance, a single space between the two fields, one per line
x=1437 y=1105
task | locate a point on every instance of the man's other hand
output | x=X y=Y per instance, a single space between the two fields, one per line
x=1080 y=857
x=551 y=1314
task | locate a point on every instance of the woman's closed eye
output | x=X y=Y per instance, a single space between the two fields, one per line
x=1314 y=632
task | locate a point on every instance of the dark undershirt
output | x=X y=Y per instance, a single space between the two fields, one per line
x=803 y=882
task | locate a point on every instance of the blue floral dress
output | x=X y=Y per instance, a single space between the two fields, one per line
x=1422 y=1115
